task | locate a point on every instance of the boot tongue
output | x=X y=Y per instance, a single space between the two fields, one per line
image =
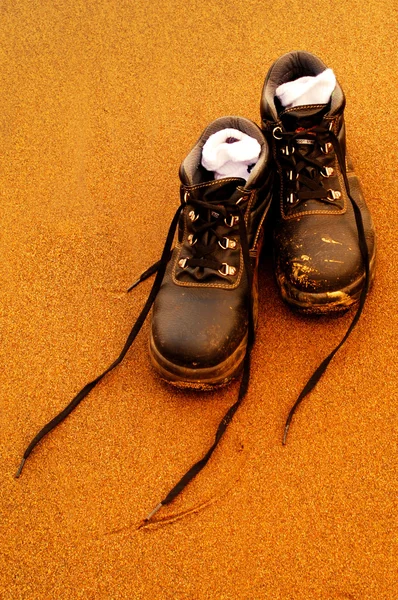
x=303 y=116
x=218 y=191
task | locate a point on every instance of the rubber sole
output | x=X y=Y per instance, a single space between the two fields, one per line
x=202 y=379
x=338 y=301
x=219 y=375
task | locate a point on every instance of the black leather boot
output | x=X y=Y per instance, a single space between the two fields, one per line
x=202 y=312
x=319 y=249
x=205 y=290
x=324 y=240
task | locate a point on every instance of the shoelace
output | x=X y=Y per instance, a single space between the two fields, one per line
x=305 y=174
x=205 y=224
x=216 y=215
x=208 y=224
x=160 y=267
x=299 y=163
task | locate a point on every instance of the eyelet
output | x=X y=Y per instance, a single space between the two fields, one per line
x=328 y=147
x=291 y=199
x=288 y=151
x=228 y=243
x=227 y=270
x=233 y=221
x=327 y=171
x=182 y=262
x=186 y=196
x=334 y=194
x=192 y=215
x=275 y=129
x=191 y=240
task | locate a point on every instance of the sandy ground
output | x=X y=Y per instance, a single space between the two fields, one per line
x=100 y=102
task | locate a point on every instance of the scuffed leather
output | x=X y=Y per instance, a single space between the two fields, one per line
x=200 y=317
x=316 y=245
x=198 y=326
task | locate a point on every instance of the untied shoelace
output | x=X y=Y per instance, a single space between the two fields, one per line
x=159 y=268
x=215 y=213
x=321 y=135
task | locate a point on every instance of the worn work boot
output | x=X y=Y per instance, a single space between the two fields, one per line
x=204 y=296
x=323 y=233
x=202 y=314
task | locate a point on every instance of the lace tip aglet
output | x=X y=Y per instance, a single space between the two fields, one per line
x=133 y=285
x=285 y=435
x=19 y=470
x=151 y=514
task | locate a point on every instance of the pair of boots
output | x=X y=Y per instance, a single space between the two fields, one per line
x=294 y=172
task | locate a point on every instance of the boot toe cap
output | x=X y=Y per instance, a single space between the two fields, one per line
x=318 y=262
x=195 y=332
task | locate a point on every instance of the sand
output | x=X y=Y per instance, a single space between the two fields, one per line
x=100 y=102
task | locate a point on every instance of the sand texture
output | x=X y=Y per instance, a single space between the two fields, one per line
x=100 y=102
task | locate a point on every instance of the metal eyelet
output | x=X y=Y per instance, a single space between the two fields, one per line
x=328 y=147
x=182 y=262
x=227 y=270
x=233 y=221
x=293 y=176
x=291 y=199
x=275 y=129
x=191 y=240
x=228 y=243
x=186 y=196
x=334 y=194
x=327 y=171
x=192 y=215
x=288 y=151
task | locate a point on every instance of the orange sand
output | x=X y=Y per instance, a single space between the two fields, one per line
x=100 y=101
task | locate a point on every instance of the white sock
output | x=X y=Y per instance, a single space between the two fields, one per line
x=307 y=90
x=229 y=153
